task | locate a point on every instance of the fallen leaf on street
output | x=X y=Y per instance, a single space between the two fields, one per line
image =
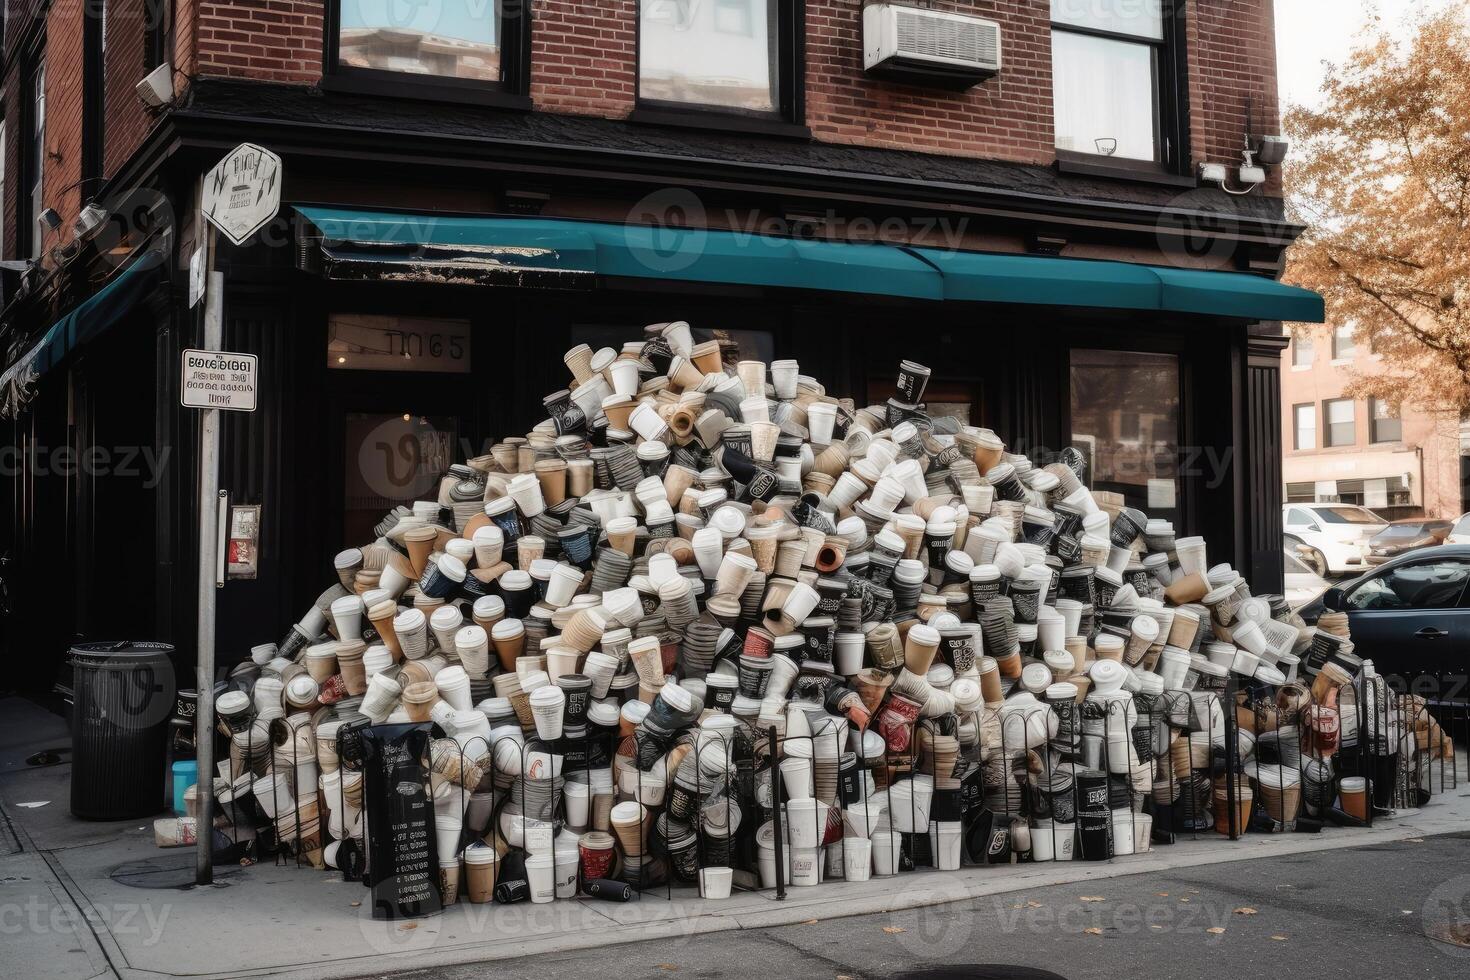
x=1245 y=910
x=1162 y=894
x=1033 y=905
x=1185 y=900
x=670 y=967
x=407 y=926
x=1215 y=931
x=357 y=905
x=1093 y=931
x=809 y=922
x=1093 y=898
x=1407 y=840
x=892 y=929
x=1279 y=939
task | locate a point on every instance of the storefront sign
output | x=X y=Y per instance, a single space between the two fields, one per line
x=242 y=194
x=364 y=342
x=218 y=379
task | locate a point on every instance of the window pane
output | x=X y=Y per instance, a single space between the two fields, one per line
x=1301 y=351
x=1118 y=394
x=1104 y=96
x=447 y=39
x=1386 y=425
x=1343 y=344
x=1141 y=18
x=1306 y=426
x=1432 y=585
x=719 y=53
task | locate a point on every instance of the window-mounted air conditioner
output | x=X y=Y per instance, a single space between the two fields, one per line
x=929 y=47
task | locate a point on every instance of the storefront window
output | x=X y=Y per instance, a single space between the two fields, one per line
x=1125 y=420
x=719 y=54
x=392 y=460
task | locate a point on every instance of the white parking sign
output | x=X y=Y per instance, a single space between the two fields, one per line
x=218 y=379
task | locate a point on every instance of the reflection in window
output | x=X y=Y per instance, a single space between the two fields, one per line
x=1117 y=397
x=713 y=53
x=1431 y=585
x=448 y=39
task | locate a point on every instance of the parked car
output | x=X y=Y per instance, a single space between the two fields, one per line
x=1460 y=532
x=1332 y=539
x=1302 y=584
x=1405 y=536
x=1411 y=617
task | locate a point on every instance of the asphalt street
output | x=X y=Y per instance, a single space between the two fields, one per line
x=1366 y=912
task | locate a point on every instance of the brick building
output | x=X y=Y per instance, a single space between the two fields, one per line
x=1044 y=225
x=1399 y=461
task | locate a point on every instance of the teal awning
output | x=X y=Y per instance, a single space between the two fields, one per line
x=87 y=320
x=361 y=244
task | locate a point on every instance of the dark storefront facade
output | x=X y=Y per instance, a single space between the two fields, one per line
x=1134 y=316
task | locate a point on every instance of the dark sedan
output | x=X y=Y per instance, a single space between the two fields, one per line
x=1401 y=537
x=1411 y=617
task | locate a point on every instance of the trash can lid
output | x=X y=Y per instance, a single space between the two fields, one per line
x=121 y=654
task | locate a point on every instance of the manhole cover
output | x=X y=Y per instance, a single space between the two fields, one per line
x=165 y=873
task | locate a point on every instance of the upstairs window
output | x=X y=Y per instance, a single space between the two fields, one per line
x=735 y=57
x=1115 y=85
x=458 y=50
x=32 y=236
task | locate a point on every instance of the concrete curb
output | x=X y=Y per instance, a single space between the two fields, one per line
x=681 y=919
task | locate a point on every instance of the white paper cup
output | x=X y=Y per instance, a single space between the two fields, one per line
x=541 y=873
x=447 y=831
x=796 y=777
x=857 y=858
x=714 y=883
x=547 y=706
x=887 y=847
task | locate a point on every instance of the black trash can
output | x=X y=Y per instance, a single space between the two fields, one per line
x=124 y=698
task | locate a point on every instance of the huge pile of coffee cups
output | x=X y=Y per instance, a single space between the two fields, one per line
x=703 y=591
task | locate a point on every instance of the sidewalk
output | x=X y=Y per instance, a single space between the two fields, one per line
x=66 y=912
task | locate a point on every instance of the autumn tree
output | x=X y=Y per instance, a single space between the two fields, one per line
x=1381 y=178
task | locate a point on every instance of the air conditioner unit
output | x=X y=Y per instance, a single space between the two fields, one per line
x=929 y=47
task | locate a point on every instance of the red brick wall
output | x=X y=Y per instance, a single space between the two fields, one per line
x=583 y=56
x=273 y=40
x=127 y=122
x=1232 y=68
x=1008 y=117
x=583 y=62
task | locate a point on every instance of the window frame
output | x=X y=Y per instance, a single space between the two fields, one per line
x=1296 y=425
x=1328 y=442
x=1373 y=420
x=513 y=92
x=787 y=119
x=29 y=240
x=158 y=36
x=1352 y=350
x=1303 y=343
x=1172 y=161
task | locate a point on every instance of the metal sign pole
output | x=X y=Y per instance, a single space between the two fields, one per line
x=208 y=561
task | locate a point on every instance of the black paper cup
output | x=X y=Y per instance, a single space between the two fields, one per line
x=913 y=378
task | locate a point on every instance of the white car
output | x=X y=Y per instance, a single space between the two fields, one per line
x=1332 y=539
x=1460 y=532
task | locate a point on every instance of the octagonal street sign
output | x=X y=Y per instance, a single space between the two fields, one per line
x=243 y=192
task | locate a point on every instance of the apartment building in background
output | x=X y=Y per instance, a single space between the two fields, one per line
x=1396 y=460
